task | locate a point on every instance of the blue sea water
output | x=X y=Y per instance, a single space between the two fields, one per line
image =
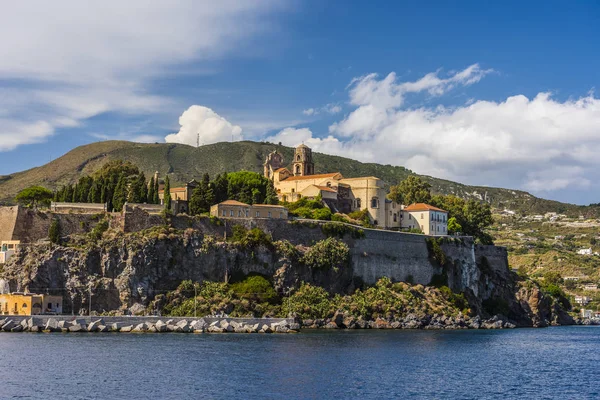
x=552 y=363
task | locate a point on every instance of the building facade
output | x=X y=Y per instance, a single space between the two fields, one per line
x=30 y=304
x=428 y=219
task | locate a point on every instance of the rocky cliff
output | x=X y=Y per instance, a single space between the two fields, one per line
x=128 y=270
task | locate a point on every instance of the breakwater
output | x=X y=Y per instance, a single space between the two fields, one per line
x=52 y=323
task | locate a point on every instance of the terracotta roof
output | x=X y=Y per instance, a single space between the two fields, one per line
x=326 y=188
x=318 y=176
x=233 y=203
x=281 y=169
x=177 y=189
x=423 y=207
x=267 y=205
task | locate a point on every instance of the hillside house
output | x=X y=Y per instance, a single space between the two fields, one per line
x=237 y=209
x=30 y=304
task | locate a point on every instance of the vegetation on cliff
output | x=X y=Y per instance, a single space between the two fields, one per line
x=255 y=297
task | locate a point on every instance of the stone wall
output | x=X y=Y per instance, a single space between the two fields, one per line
x=8 y=218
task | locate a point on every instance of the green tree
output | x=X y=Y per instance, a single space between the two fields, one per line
x=271 y=194
x=151 y=191
x=202 y=197
x=167 y=194
x=35 y=196
x=454 y=226
x=54 y=231
x=411 y=190
x=119 y=195
x=220 y=185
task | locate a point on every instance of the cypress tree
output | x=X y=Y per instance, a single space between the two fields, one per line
x=151 y=191
x=271 y=197
x=167 y=194
x=155 y=199
x=119 y=195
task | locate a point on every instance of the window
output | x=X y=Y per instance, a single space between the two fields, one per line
x=224 y=213
x=24 y=305
x=409 y=216
x=297 y=169
x=247 y=213
x=358 y=203
x=49 y=306
x=374 y=202
x=393 y=204
x=231 y=213
x=421 y=215
x=298 y=157
x=269 y=214
x=257 y=214
x=239 y=213
x=293 y=190
x=280 y=215
x=395 y=218
x=432 y=230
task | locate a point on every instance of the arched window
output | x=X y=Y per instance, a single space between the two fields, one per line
x=24 y=305
x=374 y=202
x=358 y=203
x=298 y=168
x=298 y=157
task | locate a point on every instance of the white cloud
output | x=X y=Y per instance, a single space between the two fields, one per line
x=72 y=60
x=202 y=122
x=539 y=144
x=330 y=108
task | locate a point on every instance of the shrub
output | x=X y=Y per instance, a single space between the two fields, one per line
x=362 y=216
x=323 y=214
x=435 y=251
x=327 y=254
x=98 y=230
x=255 y=288
x=309 y=302
x=340 y=230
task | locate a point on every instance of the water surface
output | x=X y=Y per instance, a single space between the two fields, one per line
x=527 y=363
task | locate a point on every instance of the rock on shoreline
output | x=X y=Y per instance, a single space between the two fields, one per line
x=180 y=326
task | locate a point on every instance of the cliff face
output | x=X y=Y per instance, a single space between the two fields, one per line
x=128 y=270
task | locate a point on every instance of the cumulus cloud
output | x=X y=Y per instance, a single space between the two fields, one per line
x=539 y=144
x=72 y=60
x=205 y=124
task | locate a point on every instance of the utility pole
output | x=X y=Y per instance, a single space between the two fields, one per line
x=198 y=140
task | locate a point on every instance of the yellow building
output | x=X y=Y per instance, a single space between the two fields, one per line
x=340 y=194
x=29 y=304
x=429 y=219
x=237 y=209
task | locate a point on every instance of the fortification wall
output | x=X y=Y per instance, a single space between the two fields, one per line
x=8 y=219
x=33 y=225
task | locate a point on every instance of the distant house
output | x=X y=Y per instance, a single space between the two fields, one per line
x=7 y=249
x=237 y=209
x=586 y=313
x=429 y=219
x=585 y=252
x=582 y=300
x=30 y=304
x=590 y=286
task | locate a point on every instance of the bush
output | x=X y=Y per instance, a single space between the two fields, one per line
x=323 y=214
x=327 y=254
x=255 y=288
x=340 y=230
x=362 y=216
x=308 y=302
x=250 y=239
x=99 y=229
x=435 y=251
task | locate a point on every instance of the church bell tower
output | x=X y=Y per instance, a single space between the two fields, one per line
x=303 y=162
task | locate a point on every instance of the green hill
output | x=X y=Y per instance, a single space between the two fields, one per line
x=183 y=163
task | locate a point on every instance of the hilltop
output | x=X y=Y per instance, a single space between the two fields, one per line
x=183 y=163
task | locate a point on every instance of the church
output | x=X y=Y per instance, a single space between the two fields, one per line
x=345 y=195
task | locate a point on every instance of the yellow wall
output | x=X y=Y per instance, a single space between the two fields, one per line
x=29 y=304
x=372 y=194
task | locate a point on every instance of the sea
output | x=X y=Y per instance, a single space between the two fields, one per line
x=550 y=363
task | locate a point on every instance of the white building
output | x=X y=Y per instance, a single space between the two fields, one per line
x=585 y=252
x=582 y=300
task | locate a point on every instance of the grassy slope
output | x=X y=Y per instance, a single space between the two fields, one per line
x=184 y=162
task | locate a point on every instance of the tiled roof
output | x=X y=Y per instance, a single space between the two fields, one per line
x=326 y=189
x=267 y=205
x=233 y=203
x=318 y=176
x=422 y=207
x=282 y=169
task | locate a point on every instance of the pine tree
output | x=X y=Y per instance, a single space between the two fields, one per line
x=74 y=197
x=167 y=194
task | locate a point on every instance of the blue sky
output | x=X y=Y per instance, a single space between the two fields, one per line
x=489 y=94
